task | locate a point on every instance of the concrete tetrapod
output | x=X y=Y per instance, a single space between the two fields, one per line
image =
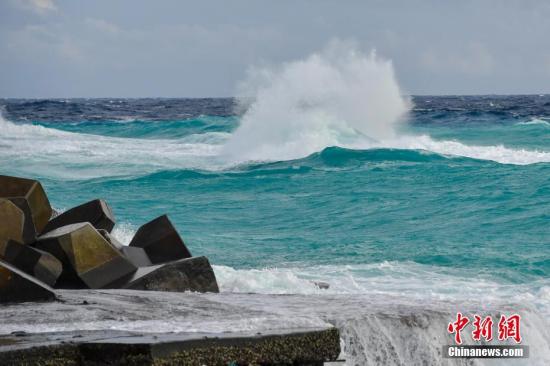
x=35 y=262
x=161 y=241
x=190 y=274
x=96 y=212
x=12 y=223
x=29 y=196
x=89 y=261
x=17 y=286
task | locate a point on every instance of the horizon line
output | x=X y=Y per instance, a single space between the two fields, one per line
x=235 y=97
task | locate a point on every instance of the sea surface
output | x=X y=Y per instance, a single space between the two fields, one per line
x=448 y=212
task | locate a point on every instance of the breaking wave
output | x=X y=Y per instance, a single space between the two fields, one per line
x=536 y=121
x=406 y=279
x=449 y=148
x=69 y=155
x=49 y=152
x=339 y=97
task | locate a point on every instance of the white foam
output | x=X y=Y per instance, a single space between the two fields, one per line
x=338 y=97
x=536 y=121
x=411 y=282
x=333 y=98
x=272 y=281
x=374 y=306
x=37 y=150
x=124 y=232
x=449 y=148
x=414 y=281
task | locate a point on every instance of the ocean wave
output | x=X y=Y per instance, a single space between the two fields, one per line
x=449 y=148
x=408 y=279
x=536 y=121
x=389 y=278
x=338 y=97
x=49 y=152
x=148 y=129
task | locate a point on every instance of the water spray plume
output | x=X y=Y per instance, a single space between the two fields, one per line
x=339 y=97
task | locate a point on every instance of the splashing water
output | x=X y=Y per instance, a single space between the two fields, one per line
x=339 y=97
x=274 y=128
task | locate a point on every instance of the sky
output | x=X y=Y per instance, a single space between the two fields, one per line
x=175 y=48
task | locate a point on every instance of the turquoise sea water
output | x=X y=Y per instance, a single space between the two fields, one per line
x=485 y=215
x=450 y=212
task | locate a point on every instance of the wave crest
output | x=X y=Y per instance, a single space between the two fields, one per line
x=536 y=121
x=339 y=97
x=36 y=150
x=449 y=148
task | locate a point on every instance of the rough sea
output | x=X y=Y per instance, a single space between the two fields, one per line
x=448 y=210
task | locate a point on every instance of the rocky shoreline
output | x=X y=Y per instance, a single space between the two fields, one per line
x=44 y=253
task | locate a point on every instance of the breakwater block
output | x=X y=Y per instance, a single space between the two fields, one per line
x=37 y=263
x=96 y=212
x=190 y=274
x=29 y=196
x=75 y=250
x=288 y=347
x=89 y=261
x=161 y=241
x=136 y=255
x=111 y=239
x=12 y=223
x=17 y=286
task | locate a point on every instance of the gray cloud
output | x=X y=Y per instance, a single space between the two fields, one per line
x=37 y=6
x=178 y=48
